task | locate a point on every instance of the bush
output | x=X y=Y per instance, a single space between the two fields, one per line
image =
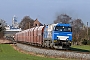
x=84 y=42
x=88 y=42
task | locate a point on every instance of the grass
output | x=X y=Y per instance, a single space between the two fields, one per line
x=81 y=48
x=8 y=53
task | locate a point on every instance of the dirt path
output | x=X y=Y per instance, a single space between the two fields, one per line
x=4 y=41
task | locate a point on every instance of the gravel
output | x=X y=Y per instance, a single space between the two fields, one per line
x=54 y=53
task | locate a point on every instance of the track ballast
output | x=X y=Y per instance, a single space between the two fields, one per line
x=54 y=53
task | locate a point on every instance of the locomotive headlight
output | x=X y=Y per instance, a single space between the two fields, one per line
x=67 y=39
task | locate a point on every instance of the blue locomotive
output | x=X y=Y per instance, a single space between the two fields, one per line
x=58 y=36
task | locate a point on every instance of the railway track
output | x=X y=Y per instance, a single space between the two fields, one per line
x=55 y=53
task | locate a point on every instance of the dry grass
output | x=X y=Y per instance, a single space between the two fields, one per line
x=3 y=41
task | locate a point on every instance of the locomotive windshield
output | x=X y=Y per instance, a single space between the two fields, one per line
x=63 y=28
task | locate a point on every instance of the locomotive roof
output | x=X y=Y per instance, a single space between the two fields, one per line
x=59 y=24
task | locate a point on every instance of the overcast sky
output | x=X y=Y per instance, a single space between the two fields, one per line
x=45 y=10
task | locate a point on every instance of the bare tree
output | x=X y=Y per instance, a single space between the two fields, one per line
x=77 y=28
x=63 y=18
x=2 y=24
x=26 y=23
x=2 y=27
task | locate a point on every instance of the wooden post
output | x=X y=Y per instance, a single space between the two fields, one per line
x=87 y=31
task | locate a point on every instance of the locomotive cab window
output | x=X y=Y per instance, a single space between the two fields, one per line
x=63 y=28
